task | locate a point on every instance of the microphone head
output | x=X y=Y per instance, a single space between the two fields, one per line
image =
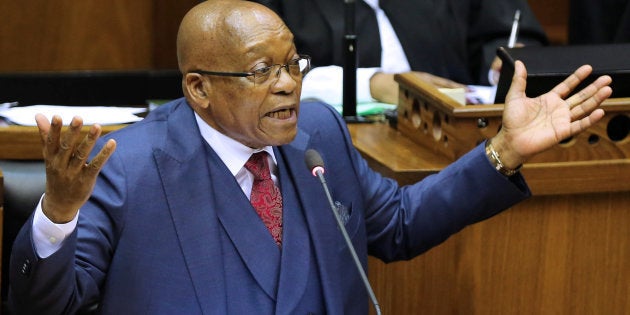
x=314 y=161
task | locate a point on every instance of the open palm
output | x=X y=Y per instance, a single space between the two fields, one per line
x=533 y=125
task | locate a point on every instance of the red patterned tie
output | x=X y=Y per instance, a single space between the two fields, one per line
x=265 y=197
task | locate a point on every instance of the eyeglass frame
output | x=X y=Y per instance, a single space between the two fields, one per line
x=253 y=73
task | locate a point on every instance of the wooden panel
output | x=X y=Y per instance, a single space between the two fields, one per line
x=89 y=35
x=563 y=251
x=74 y=35
x=549 y=255
x=1 y=196
x=167 y=16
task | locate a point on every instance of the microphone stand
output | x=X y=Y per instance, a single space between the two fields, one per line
x=349 y=109
x=346 y=237
x=315 y=163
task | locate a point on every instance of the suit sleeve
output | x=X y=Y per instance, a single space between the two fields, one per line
x=69 y=280
x=407 y=221
x=403 y=222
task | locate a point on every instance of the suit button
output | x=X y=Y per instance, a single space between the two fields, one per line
x=26 y=267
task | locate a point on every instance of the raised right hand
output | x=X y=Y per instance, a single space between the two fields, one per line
x=70 y=177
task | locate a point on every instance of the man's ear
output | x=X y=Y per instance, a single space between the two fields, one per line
x=196 y=89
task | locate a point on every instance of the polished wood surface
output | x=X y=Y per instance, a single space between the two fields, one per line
x=566 y=250
x=565 y=254
x=89 y=35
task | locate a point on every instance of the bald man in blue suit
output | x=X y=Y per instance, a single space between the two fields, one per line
x=157 y=219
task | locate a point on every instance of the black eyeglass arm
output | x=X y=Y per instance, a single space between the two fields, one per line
x=224 y=74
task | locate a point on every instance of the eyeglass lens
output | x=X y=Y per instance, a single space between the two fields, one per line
x=295 y=68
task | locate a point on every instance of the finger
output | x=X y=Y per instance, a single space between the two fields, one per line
x=591 y=103
x=99 y=160
x=565 y=87
x=495 y=71
x=590 y=90
x=52 y=138
x=519 y=82
x=43 y=125
x=496 y=64
x=586 y=122
x=69 y=140
x=81 y=153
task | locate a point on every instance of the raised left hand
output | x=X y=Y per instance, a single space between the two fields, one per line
x=533 y=125
x=70 y=177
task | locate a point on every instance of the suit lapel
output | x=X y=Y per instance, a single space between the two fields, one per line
x=296 y=247
x=182 y=158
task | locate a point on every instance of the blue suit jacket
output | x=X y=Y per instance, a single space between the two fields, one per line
x=168 y=230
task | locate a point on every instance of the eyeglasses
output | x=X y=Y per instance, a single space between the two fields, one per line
x=297 y=68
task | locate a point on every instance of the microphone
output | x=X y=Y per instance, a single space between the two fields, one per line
x=315 y=164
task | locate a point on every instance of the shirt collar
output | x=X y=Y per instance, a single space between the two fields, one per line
x=233 y=153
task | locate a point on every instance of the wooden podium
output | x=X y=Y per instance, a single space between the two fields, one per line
x=590 y=162
x=566 y=250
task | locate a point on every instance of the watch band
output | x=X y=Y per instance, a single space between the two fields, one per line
x=495 y=160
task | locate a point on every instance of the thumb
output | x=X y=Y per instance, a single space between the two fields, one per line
x=519 y=82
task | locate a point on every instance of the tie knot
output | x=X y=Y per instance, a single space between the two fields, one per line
x=258 y=165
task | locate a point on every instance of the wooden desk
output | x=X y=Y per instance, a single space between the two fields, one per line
x=564 y=251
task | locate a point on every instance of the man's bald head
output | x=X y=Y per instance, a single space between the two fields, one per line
x=214 y=27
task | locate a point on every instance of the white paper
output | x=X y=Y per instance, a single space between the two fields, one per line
x=326 y=84
x=480 y=94
x=103 y=115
